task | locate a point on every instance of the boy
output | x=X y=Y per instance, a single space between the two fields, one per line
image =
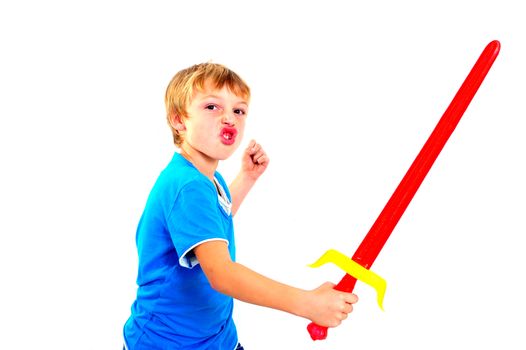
x=187 y=274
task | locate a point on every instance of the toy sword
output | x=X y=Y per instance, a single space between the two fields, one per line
x=385 y=223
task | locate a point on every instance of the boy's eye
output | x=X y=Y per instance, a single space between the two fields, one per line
x=240 y=111
x=211 y=107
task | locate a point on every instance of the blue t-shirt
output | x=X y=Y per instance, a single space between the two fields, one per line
x=176 y=308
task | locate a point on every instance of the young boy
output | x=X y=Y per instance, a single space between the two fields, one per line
x=188 y=276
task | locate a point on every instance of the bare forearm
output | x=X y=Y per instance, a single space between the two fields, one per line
x=239 y=189
x=323 y=305
x=249 y=286
x=253 y=164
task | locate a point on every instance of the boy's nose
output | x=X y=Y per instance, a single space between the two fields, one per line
x=229 y=118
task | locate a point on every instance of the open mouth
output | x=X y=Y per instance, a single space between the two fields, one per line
x=228 y=135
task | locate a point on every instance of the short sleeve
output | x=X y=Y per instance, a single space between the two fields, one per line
x=194 y=219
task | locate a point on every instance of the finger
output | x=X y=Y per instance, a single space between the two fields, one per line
x=255 y=148
x=336 y=322
x=261 y=160
x=250 y=147
x=259 y=154
x=340 y=316
x=347 y=308
x=251 y=144
x=350 y=298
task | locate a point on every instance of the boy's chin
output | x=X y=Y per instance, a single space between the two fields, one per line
x=228 y=152
x=225 y=155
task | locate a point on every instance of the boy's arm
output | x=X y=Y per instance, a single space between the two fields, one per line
x=253 y=164
x=324 y=305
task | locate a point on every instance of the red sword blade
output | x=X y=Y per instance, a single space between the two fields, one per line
x=378 y=234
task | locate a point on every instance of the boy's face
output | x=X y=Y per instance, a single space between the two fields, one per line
x=215 y=123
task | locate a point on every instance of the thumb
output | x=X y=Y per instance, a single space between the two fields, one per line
x=327 y=285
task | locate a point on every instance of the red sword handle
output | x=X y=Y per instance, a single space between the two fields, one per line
x=375 y=239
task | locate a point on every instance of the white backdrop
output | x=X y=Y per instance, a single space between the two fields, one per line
x=345 y=93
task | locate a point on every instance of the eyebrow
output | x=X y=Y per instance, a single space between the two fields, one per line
x=220 y=98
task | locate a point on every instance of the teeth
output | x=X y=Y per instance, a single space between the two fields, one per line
x=227 y=136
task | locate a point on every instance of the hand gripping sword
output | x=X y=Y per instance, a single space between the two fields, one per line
x=378 y=234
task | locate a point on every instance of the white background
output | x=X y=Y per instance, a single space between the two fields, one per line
x=345 y=93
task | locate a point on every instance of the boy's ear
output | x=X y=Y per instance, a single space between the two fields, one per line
x=176 y=122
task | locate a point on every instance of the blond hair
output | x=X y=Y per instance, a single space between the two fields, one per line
x=181 y=89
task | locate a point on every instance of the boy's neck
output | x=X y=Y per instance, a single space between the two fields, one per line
x=206 y=165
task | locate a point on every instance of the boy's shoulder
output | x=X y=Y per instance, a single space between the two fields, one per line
x=180 y=169
x=181 y=173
